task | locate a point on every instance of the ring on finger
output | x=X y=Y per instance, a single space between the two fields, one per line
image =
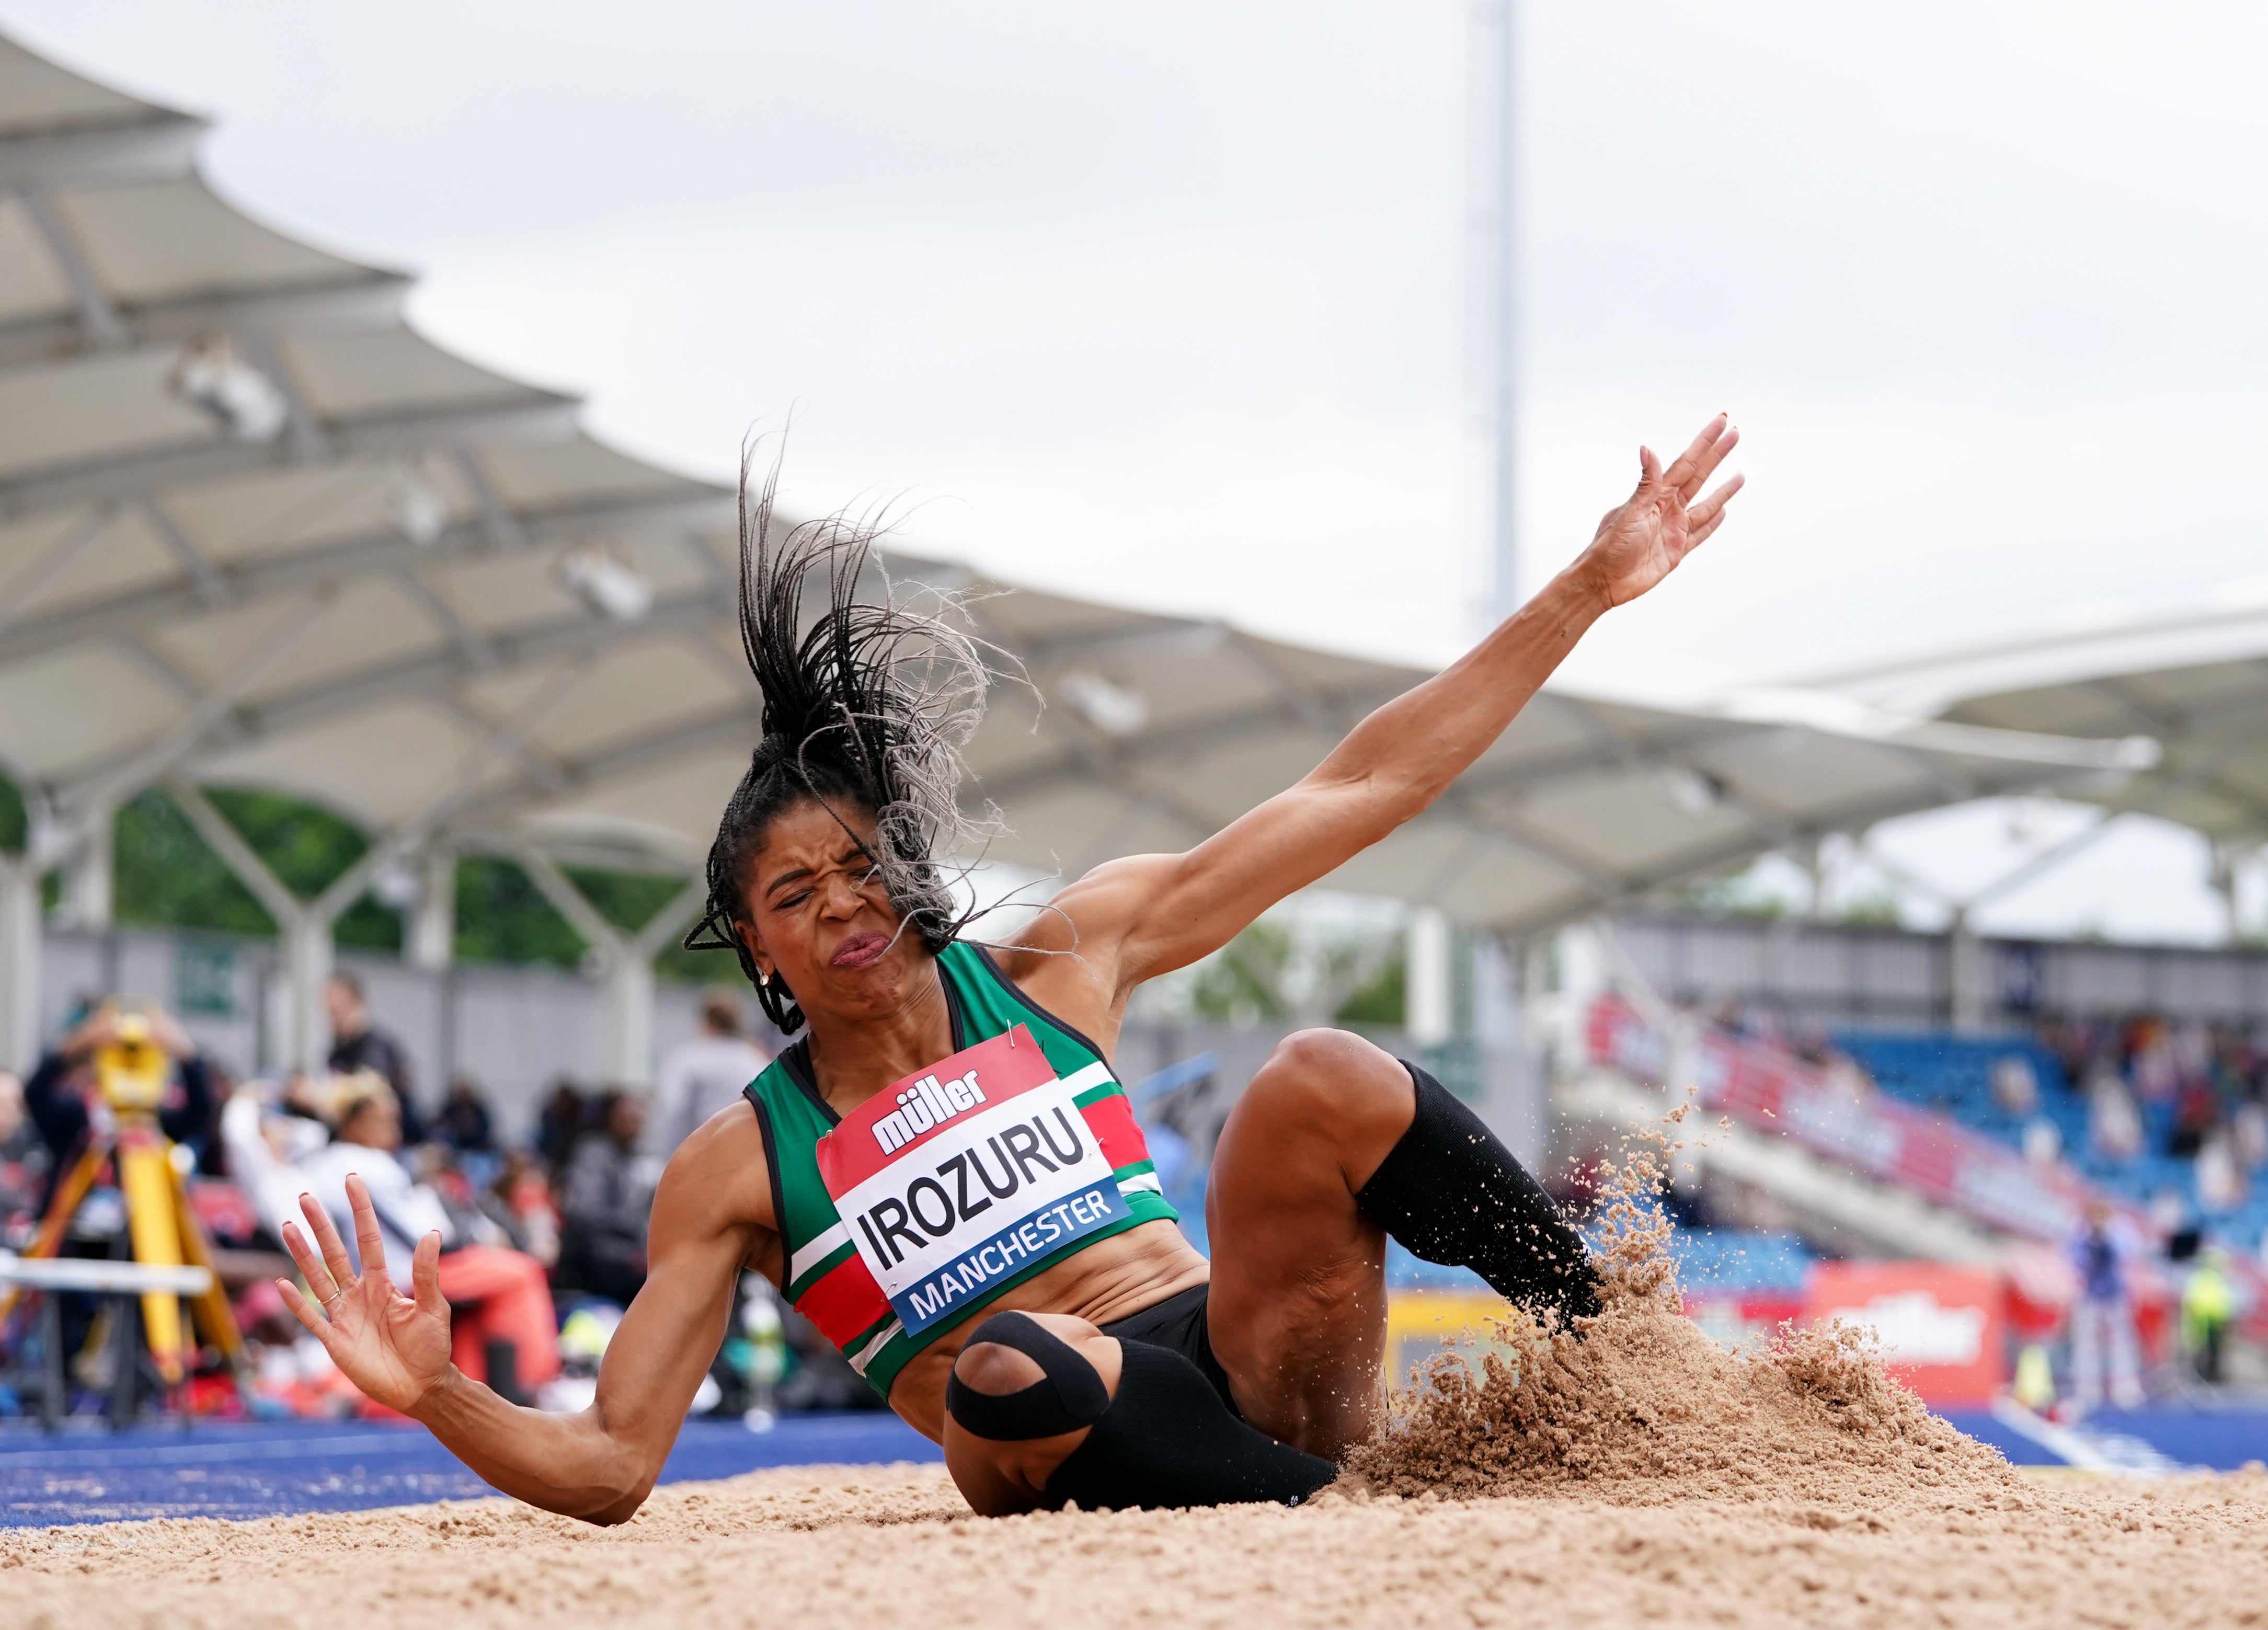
x=332 y=1300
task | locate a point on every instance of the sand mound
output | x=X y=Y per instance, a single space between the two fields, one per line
x=890 y=1546
x=1639 y=1406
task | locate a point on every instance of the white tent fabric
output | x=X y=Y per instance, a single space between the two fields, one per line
x=2195 y=680
x=256 y=530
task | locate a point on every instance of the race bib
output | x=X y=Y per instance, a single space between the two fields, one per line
x=964 y=1173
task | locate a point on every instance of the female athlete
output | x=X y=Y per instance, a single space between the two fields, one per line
x=942 y=1173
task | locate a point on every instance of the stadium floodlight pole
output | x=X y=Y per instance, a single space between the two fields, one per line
x=1496 y=31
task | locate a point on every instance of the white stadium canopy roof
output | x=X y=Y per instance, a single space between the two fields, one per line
x=254 y=529
x=2195 y=680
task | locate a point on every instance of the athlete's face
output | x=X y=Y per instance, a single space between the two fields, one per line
x=820 y=916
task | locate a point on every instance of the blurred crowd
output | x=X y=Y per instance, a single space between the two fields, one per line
x=544 y=1236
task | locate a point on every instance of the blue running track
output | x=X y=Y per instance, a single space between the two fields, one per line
x=284 y=1468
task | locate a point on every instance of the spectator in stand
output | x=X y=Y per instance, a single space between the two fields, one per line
x=2197 y=1115
x=464 y=1123
x=2114 y=1124
x=2102 y=1318
x=604 y=1206
x=705 y=1075
x=501 y=1317
x=358 y=1045
x=559 y=1125
x=520 y=1202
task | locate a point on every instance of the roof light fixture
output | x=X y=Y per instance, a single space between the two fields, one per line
x=1113 y=709
x=605 y=585
x=414 y=504
x=213 y=375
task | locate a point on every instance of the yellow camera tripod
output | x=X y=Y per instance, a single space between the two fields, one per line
x=130 y=1069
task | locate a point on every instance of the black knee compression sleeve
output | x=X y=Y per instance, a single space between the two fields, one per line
x=1451 y=1193
x=1168 y=1440
x=1067 y=1396
x=1164 y=1440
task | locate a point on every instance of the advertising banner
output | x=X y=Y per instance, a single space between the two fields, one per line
x=1943 y=1330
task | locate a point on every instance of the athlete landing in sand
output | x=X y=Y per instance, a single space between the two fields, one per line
x=943 y=1173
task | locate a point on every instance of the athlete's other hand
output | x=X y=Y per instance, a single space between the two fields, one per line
x=394 y=1348
x=1640 y=541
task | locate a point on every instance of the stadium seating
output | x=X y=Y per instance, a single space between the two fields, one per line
x=1953 y=1075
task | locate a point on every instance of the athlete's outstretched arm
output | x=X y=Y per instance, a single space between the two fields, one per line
x=1144 y=915
x=599 y=1464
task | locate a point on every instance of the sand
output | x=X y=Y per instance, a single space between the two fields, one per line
x=875 y=1545
x=1626 y=1474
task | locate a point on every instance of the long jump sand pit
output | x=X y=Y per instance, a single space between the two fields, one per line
x=896 y=1546
x=1640 y=1475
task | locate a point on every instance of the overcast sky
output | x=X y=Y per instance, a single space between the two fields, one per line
x=1172 y=303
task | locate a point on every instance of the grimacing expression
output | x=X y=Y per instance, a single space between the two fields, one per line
x=819 y=915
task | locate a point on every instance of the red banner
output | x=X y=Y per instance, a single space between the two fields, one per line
x=1943 y=1330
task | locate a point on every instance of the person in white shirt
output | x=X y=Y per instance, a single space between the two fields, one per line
x=501 y=1296
x=703 y=1075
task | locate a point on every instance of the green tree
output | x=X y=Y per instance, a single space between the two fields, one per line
x=15 y=819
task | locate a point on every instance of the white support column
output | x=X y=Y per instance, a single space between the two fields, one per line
x=307 y=961
x=1429 y=1002
x=1965 y=976
x=89 y=877
x=433 y=921
x=629 y=1018
x=19 y=963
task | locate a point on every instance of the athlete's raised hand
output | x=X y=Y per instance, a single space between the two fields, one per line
x=1640 y=542
x=390 y=1345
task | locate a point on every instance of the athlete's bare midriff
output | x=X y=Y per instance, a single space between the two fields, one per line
x=1112 y=1279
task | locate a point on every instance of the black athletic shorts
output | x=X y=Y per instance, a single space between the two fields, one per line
x=1178 y=1325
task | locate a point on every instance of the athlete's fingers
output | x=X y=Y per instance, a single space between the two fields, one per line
x=305 y=1312
x=1697 y=535
x=1706 y=512
x=334 y=1250
x=1681 y=474
x=425 y=1275
x=1649 y=467
x=369 y=1245
x=303 y=1256
x=1706 y=465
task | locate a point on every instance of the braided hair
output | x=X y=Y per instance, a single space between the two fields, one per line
x=868 y=708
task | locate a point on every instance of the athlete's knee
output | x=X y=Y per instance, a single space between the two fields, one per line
x=1335 y=1073
x=1026 y=1375
x=990 y=1368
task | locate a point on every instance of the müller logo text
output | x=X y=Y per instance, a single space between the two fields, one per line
x=929 y=1102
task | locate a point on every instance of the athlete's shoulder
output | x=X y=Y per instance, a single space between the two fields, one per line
x=722 y=1173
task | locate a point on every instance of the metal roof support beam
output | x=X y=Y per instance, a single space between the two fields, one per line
x=100 y=326
x=363 y=555
x=53 y=564
x=625 y=960
x=306 y=931
x=359 y=301
x=200 y=571
x=152 y=763
x=529 y=415
x=155 y=145
x=506 y=741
